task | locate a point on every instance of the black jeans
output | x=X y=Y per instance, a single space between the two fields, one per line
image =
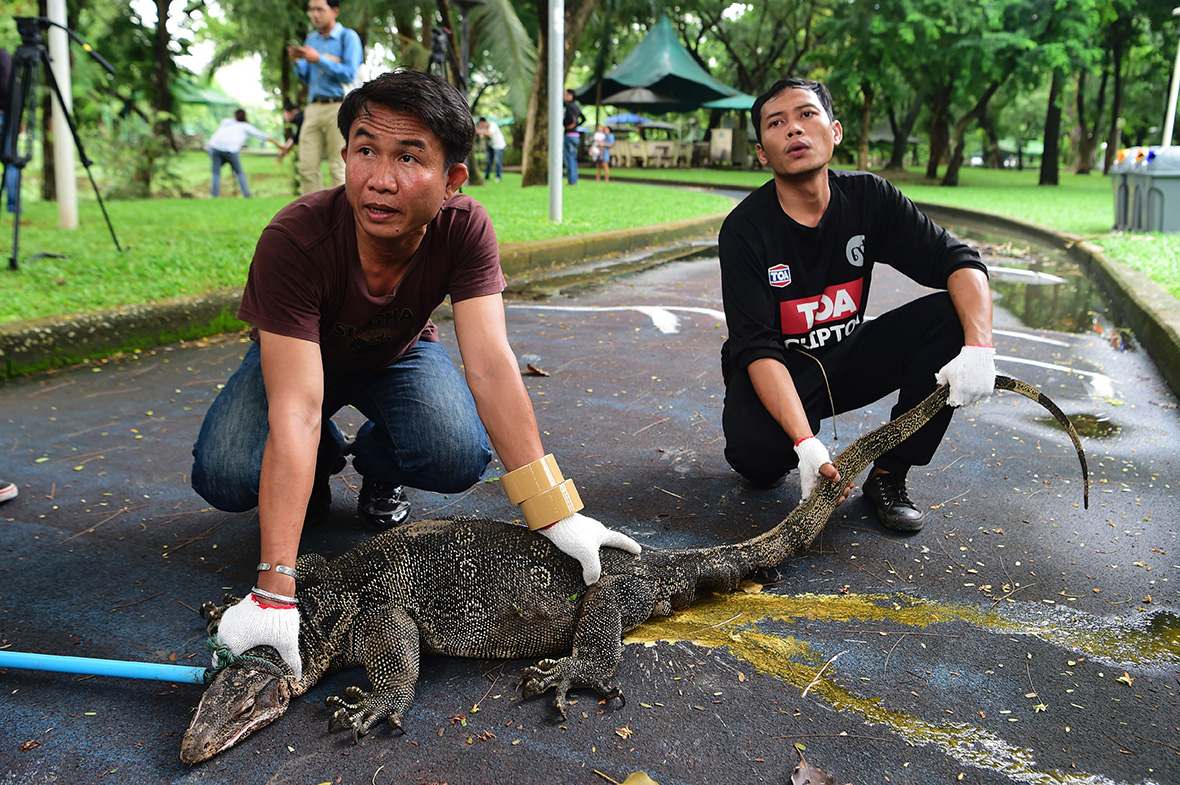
x=900 y=350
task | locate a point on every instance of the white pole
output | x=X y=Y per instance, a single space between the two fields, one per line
x=1170 y=120
x=65 y=176
x=556 y=104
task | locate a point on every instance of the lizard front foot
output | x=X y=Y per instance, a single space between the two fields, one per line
x=212 y=612
x=361 y=711
x=564 y=675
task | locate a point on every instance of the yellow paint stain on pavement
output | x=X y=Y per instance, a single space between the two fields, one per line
x=730 y=622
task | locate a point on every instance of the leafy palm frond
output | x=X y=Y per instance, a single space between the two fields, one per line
x=510 y=49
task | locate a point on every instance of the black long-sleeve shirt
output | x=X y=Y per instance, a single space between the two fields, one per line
x=789 y=285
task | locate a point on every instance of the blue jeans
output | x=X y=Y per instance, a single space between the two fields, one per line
x=220 y=158
x=422 y=430
x=495 y=158
x=571 y=158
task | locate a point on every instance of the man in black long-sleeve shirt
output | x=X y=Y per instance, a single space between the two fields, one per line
x=797 y=259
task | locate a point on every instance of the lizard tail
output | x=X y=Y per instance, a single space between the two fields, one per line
x=803 y=524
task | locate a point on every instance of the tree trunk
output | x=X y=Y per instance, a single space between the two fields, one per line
x=1087 y=132
x=161 y=74
x=939 y=135
x=1049 y=160
x=535 y=159
x=866 y=126
x=901 y=135
x=995 y=158
x=956 y=163
x=1117 y=50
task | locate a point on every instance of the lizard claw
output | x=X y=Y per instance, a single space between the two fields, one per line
x=561 y=676
x=361 y=711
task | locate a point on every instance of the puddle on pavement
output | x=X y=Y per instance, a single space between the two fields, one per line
x=730 y=622
x=1093 y=426
x=1039 y=285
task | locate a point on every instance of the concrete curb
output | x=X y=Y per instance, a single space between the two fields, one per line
x=35 y=345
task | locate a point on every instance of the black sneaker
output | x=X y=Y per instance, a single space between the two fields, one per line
x=887 y=492
x=320 y=503
x=382 y=505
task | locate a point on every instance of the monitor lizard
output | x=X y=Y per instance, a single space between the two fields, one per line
x=482 y=588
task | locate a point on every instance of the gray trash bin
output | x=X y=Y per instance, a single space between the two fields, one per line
x=1137 y=182
x=1162 y=213
x=1121 y=186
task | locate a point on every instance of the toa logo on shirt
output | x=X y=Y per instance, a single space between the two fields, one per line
x=780 y=275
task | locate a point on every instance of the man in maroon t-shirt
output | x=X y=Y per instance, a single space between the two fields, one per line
x=339 y=294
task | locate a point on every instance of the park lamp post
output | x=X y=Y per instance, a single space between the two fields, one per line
x=556 y=87
x=1170 y=120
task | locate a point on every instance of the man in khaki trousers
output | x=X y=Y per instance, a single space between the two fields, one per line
x=327 y=61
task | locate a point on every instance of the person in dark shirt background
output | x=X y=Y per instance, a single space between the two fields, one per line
x=572 y=118
x=797 y=260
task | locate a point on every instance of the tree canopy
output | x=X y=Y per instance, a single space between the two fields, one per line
x=973 y=79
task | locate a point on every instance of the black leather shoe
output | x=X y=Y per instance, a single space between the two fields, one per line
x=887 y=492
x=382 y=505
x=320 y=503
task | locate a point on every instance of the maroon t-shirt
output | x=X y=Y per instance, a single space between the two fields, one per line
x=306 y=280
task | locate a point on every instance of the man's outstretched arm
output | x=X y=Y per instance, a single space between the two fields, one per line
x=504 y=407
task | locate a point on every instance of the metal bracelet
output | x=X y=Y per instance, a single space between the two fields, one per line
x=266 y=595
x=279 y=568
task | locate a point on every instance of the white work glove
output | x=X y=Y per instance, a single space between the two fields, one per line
x=971 y=375
x=247 y=625
x=580 y=537
x=812 y=455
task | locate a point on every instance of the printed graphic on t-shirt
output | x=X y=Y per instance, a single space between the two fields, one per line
x=375 y=333
x=855 y=251
x=779 y=275
x=813 y=322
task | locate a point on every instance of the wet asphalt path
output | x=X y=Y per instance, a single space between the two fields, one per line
x=1018 y=638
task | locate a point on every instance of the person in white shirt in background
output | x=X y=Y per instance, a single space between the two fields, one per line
x=225 y=144
x=496 y=145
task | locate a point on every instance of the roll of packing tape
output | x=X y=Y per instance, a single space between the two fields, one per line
x=531 y=479
x=551 y=506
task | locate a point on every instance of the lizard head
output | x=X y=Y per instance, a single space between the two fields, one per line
x=250 y=693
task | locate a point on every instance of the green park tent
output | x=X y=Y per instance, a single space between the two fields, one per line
x=661 y=65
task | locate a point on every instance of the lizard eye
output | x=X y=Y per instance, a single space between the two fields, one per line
x=246 y=710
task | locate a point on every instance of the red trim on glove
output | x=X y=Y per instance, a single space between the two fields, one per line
x=805 y=438
x=269 y=606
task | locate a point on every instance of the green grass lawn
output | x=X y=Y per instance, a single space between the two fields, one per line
x=195 y=245
x=1080 y=204
x=191 y=246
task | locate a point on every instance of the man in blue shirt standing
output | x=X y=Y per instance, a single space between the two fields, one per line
x=326 y=63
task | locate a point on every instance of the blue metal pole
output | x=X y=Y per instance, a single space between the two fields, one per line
x=97 y=667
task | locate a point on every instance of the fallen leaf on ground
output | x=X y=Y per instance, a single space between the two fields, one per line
x=536 y=370
x=639 y=778
x=806 y=774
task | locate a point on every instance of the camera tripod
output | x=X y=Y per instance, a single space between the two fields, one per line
x=27 y=61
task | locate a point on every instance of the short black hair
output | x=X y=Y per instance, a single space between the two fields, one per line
x=432 y=100
x=333 y=3
x=789 y=83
